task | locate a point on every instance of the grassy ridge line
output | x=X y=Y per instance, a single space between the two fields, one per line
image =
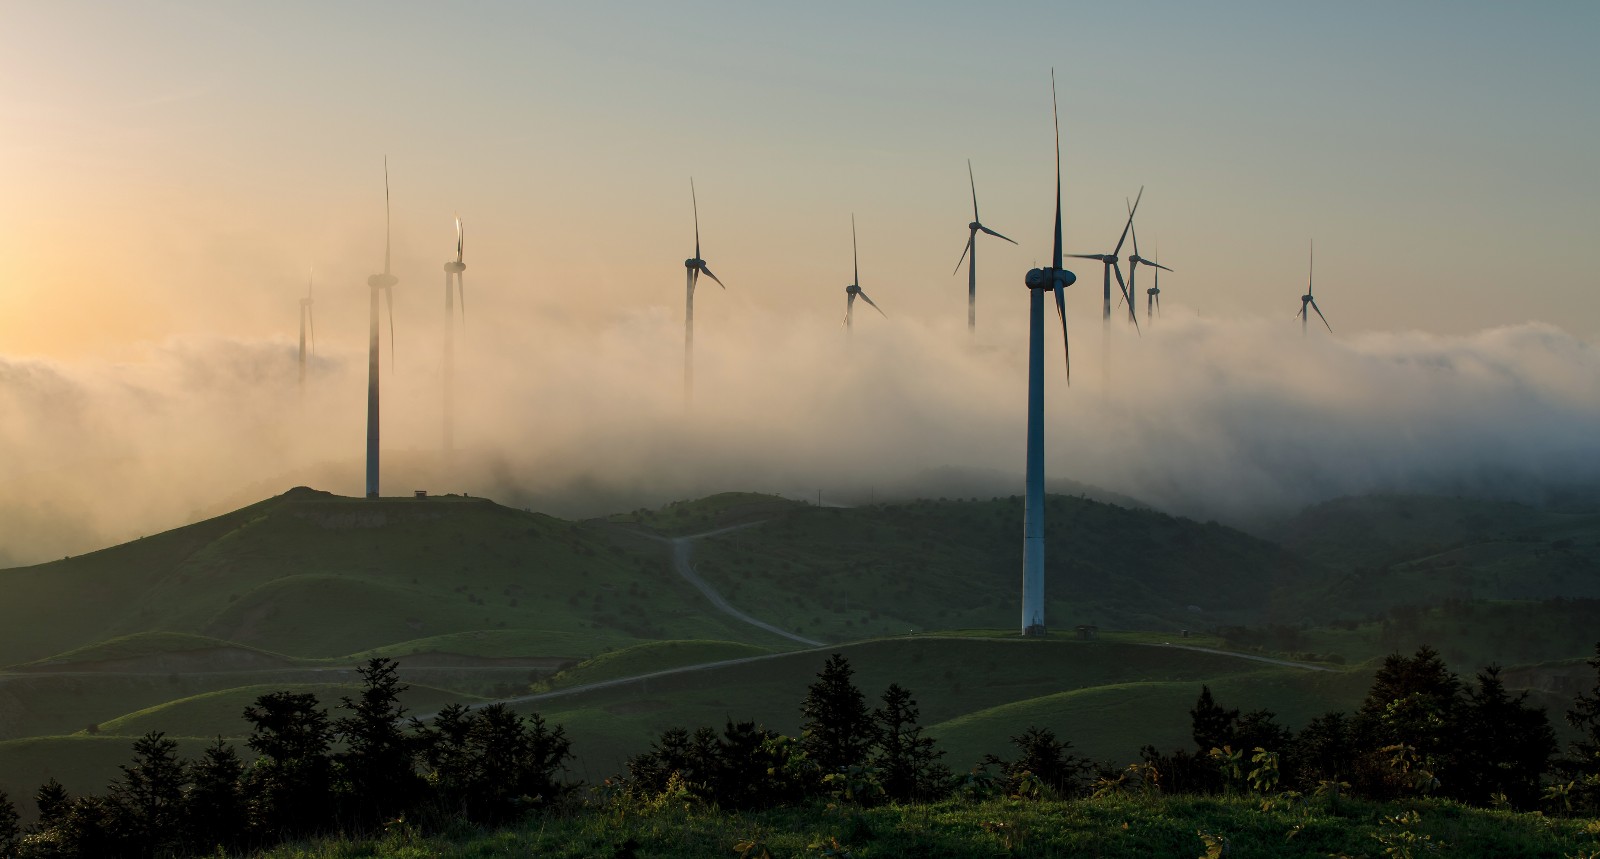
x=150 y=643
x=220 y=713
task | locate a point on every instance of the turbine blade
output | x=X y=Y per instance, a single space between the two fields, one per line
x=1124 y=287
x=461 y=290
x=1055 y=115
x=1153 y=264
x=974 y=190
x=1131 y=228
x=968 y=247
x=386 y=214
x=855 y=250
x=1158 y=304
x=1129 y=225
x=874 y=304
x=311 y=320
x=995 y=234
x=1061 y=311
x=1320 y=316
x=460 y=239
x=1100 y=257
x=707 y=270
x=1312 y=267
x=694 y=200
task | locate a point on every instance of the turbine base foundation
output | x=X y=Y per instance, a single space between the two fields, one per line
x=1035 y=631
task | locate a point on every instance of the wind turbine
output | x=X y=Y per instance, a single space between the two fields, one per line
x=452 y=271
x=854 y=289
x=379 y=283
x=970 y=253
x=306 y=319
x=1306 y=300
x=695 y=266
x=1038 y=280
x=1110 y=260
x=1153 y=295
x=1133 y=267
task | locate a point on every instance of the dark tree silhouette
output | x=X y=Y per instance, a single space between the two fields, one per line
x=493 y=765
x=907 y=762
x=836 y=730
x=1582 y=765
x=378 y=779
x=216 y=815
x=1212 y=725
x=1323 y=751
x=291 y=785
x=147 y=799
x=1043 y=757
x=53 y=801
x=1504 y=747
x=10 y=827
x=1414 y=703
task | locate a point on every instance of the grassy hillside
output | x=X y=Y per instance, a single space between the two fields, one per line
x=834 y=573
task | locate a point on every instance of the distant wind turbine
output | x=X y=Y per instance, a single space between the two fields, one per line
x=1306 y=300
x=854 y=289
x=970 y=254
x=1153 y=294
x=1038 y=280
x=452 y=271
x=1133 y=267
x=379 y=283
x=306 y=320
x=1111 y=267
x=695 y=266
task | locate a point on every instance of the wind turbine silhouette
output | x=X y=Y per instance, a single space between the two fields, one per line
x=1153 y=294
x=695 y=266
x=452 y=271
x=1038 y=280
x=1133 y=267
x=1306 y=300
x=854 y=289
x=307 y=319
x=1110 y=260
x=379 y=283
x=970 y=253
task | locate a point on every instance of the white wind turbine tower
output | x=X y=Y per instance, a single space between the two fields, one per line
x=452 y=271
x=383 y=283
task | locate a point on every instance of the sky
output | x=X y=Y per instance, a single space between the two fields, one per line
x=174 y=172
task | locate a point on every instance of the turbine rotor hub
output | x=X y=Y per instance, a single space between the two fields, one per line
x=974 y=226
x=1305 y=299
x=455 y=267
x=694 y=262
x=852 y=289
x=1048 y=278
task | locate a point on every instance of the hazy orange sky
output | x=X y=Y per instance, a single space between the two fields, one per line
x=174 y=169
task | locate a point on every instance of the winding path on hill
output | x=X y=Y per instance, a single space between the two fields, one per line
x=681 y=548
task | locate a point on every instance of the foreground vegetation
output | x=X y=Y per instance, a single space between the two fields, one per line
x=1135 y=827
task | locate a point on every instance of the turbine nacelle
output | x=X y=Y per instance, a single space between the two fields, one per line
x=1305 y=299
x=974 y=226
x=1050 y=278
x=454 y=267
x=1152 y=291
x=694 y=262
x=852 y=289
x=382 y=281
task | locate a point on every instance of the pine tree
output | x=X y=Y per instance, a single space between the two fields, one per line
x=1505 y=745
x=836 y=730
x=52 y=800
x=1585 y=717
x=10 y=827
x=1213 y=727
x=147 y=800
x=1042 y=759
x=379 y=779
x=216 y=815
x=290 y=786
x=907 y=762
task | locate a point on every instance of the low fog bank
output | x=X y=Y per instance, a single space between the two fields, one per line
x=1234 y=420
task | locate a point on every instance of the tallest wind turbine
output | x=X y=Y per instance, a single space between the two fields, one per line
x=383 y=283
x=970 y=253
x=1038 y=280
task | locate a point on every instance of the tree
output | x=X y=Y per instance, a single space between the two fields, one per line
x=52 y=800
x=1212 y=725
x=216 y=815
x=907 y=762
x=836 y=730
x=147 y=800
x=291 y=784
x=10 y=827
x=492 y=764
x=1505 y=745
x=1042 y=761
x=1585 y=717
x=1323 y=751
x=1411 y=714
x=379 y=780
